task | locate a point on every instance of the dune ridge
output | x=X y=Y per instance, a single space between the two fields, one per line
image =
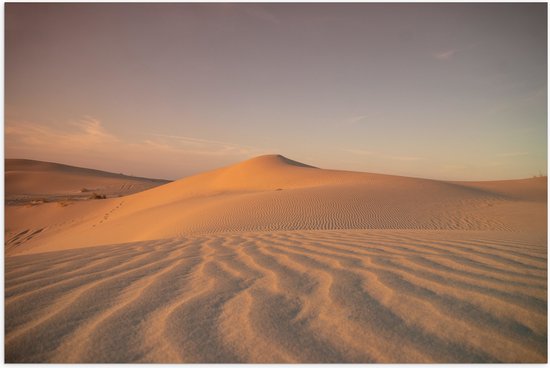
x=270 y=193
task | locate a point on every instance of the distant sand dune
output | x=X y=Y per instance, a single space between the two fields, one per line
x=28 y=180
x=297 y=296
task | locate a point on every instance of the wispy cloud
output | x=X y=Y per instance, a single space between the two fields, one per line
x=358 y=119
x=445 y=55
x=362 y=119
x=359 y=152
x=532 y=98
x=89 y=132
x=205 y=146
x=513 y=154
x=404 y=158
x=83 y=134
x=87 y=141
x=449 y=53
x=383 y=156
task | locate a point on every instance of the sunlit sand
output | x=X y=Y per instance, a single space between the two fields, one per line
x=271 y=260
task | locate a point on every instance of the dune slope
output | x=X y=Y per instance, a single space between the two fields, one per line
x=271 y=193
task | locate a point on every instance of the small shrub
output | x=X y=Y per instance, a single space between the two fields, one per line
x=98 y=196
x=38 y=201
x=84 y=190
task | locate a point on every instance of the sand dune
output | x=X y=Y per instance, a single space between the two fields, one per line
x=533 y=189
x=271 y=260
x=271 y=193
x=28 y=180
x=308 y=296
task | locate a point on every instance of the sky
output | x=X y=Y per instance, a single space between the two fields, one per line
x=454 y=91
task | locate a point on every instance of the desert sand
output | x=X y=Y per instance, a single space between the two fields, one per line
x=272 y=260
x=37 y=181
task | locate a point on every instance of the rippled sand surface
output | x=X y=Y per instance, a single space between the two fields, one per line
x=296 y=296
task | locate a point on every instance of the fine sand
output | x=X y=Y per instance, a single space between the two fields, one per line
x=37 y=182
x=271 y=260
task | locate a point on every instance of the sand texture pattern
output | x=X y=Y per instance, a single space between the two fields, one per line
x=274 y=261
x=311 y=296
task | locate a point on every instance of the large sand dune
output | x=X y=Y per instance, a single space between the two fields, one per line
x=271 y=260
x=28 y=180
x=274 y=193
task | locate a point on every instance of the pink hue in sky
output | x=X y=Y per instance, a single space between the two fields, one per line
x=450 y=91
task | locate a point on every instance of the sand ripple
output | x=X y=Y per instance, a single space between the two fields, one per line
x=288 y=296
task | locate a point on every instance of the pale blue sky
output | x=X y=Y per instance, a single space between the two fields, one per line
x=447 y=91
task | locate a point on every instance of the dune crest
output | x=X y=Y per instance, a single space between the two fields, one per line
x=273 y=193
